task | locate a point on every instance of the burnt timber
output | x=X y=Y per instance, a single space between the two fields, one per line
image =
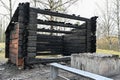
x=25 y=41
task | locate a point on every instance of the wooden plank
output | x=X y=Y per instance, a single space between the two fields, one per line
x=62 y=24
x=75 y=42
x=48 y=12
x=75 y=38
x=12 y=58
x=79 y=72
x=50 y=44
x=49 y=47
x=77 y=32
x=13 y=50
x=54 y=31
x=32 y=33
x=32 y=38
x=31 y=48
x=51 y=50
x=49 y=36
x=74 y=49
x=32 y=26
x=14 y=41
x=39 y=60
x=14 y=36
x=50 y=53
x=14 y=45
x=31 y=43
x=49 y=40
x=75 y=45
x=31 y=54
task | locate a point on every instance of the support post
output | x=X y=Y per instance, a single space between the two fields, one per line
x=53 y=73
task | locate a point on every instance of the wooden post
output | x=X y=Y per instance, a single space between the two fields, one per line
x=88 y=35
x=23 y=20
x=32 y=37
x=93 y=33
x=53 y=73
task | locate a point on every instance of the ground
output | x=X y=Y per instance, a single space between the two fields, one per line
x=39 y=72
x=10 y=72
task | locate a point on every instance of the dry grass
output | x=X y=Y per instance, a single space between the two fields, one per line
x=2 y=45
x=108 y=52
x=103 y=43
x=2 y=53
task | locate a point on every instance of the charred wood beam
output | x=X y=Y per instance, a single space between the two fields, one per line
x=49 y=37
x=39 y=54
x=55 y=23
x=38 y=60
x=54 y=31
x=48 y=12
x=15 y=16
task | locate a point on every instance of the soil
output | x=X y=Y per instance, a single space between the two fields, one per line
x=39 y=72
x=11 y=72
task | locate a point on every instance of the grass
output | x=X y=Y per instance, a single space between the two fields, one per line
x=108 y=52
x=2 y=53
x=2 y=45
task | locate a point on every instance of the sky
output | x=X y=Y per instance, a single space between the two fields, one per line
x=84 y=8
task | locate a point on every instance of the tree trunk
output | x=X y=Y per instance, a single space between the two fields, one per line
x=10 y=1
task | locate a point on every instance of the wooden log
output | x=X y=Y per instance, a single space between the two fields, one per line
x=49 y=36
x=31 y=54
x=14 y=45
x=75 y=42
x=75 y=38
x=48 y=40
x=32 y=26
x=47 y=12
x=61 y=24
x=38 y=60
x=32 y=38
x=32 y=33
x=43 y=47
x=49 y=44
x=51 y=50
x=13 y=51
x=14 y=41
x=55 y=53
x=54 y=31
x=31 y=43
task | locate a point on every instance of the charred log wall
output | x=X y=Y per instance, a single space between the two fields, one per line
x=24 y=43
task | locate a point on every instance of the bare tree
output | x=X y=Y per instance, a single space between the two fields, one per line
x=8 y=8
x=10 y=1
x=5 y=18
x=106 y=23
x=54 y=5
x=116 y=18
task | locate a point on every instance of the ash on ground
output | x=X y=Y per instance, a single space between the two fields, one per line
x=39 y=72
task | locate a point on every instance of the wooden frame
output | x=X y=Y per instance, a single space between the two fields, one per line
x=80 y=39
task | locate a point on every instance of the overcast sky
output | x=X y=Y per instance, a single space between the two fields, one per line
x=85 y=8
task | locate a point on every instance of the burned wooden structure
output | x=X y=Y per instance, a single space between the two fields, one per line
x=24 y=42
